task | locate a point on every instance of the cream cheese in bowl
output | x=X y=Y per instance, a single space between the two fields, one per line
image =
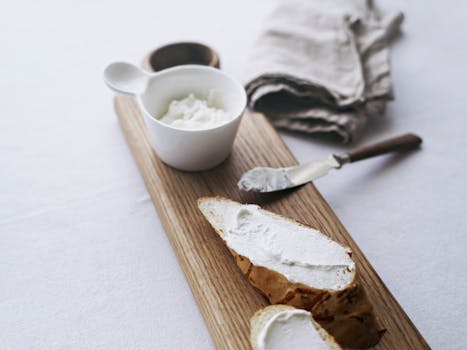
x=193 y=113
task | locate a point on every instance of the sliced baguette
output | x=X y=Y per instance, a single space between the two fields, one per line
x=345 y=313
x=263 y=317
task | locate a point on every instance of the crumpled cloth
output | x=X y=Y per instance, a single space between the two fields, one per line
x=322 y=66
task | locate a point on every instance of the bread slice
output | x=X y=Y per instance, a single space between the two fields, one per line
x=291 y=276
x=272 y=328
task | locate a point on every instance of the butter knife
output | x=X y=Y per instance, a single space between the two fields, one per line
x=263 y=179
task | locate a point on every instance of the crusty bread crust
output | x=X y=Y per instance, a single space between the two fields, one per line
x=346 y=314
x=261 y=317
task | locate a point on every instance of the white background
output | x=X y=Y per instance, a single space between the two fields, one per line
x=84 y=261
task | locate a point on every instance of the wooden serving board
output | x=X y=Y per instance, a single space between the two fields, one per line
x=225 y=298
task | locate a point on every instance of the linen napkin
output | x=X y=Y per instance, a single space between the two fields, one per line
x=323 y=66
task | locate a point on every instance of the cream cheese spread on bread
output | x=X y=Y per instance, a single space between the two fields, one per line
x=291 y=330
x=300 y=253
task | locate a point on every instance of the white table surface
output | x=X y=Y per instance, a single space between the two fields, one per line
x=84 y=261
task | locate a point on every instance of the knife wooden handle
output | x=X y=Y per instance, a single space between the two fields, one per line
x=399 y=143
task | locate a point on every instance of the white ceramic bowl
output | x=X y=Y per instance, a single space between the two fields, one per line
x=190 y=150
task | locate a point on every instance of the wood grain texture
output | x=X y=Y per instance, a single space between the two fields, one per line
x=225 y=298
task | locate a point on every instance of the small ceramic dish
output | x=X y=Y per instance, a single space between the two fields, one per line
x=190 y=150
x=182 y=53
